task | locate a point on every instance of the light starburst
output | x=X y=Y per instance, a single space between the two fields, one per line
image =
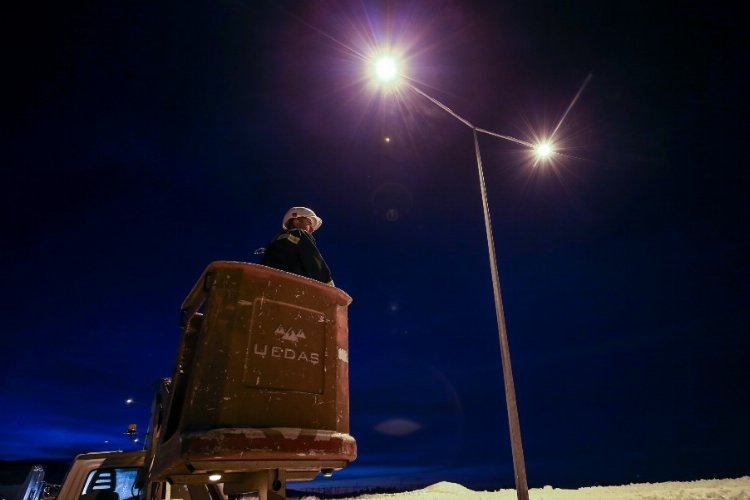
x=386 y=69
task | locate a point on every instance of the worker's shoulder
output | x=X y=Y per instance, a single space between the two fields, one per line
x=294 y=236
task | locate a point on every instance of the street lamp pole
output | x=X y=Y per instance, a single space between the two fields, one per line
x=386 y=70
x=519 y=466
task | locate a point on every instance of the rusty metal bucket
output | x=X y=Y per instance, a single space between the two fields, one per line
x=261 y=381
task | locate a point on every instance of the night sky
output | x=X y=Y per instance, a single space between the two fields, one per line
x=143 y=140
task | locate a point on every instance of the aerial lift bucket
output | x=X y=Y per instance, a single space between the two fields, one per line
x=260 y=391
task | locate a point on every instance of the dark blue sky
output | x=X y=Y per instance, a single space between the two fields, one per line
x=143 y=140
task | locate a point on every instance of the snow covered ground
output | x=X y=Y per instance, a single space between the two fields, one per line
x=713 y=489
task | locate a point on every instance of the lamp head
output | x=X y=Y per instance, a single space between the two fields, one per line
x=543 y=150
x=385 y=69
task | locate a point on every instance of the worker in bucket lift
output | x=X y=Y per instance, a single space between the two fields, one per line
x=294 y=249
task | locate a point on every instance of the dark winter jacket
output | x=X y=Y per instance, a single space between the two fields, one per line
x=295 y=251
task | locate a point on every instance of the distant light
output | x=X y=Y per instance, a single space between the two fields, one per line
x=129 y=401
x=135 y=440
x=387 y=139
x=386 y=69
x=543 y=149
x=214 y=477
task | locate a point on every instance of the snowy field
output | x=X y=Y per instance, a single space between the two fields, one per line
x=713 y=489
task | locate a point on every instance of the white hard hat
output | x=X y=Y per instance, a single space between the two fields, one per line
x=295 y=212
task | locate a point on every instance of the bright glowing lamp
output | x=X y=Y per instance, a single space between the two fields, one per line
x=386 y=69
x=543 y=150
x=214 y=476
